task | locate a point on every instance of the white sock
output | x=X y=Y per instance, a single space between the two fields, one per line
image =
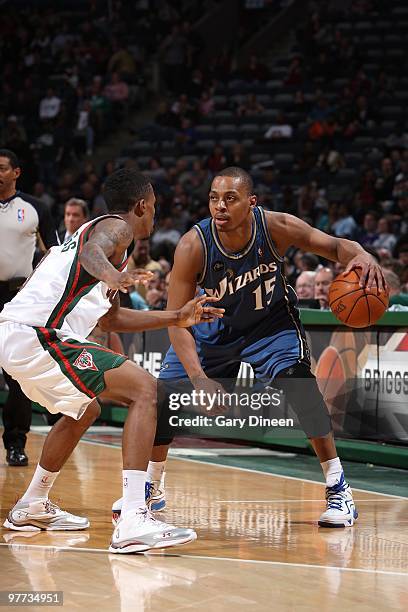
x=155 y=470
x=332 y=470
x=133 y=490
x=40 y=485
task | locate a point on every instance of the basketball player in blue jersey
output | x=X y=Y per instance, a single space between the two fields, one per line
x=237 y=256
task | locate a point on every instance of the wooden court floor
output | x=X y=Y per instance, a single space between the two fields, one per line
x=258 y=544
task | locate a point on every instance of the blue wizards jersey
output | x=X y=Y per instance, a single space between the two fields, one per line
x=250 y=285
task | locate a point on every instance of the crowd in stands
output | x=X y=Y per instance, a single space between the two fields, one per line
x=324 y=131
x=69 y=76
x=341 y=122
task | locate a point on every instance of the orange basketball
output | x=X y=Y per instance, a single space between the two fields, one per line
x=353 y=305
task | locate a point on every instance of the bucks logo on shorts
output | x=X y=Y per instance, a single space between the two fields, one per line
x=85 y=361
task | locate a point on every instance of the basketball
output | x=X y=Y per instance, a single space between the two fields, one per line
x=353 y=305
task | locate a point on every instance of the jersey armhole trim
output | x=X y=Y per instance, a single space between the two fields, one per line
x=203 y=242
x=268 y=236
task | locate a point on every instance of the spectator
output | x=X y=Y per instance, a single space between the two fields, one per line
x=165 y=237
x=308 y=262
x=300 y=105
x=268 y=189
x=307 y=198
x=49 y=149
x=206 y=104
x=388 y=179
x=369 y=233
x=166 y=117
x=403 y=254
x=238 y=157
x=397 y=296
x=251 y=106
x=363 y=115
x=156 y=172
x=196 y=87
x=345 y=226
x=295 y=76
x=122 y=61
x=140 y=258
x=255 y=69
x=13 y=131
x=323 y=280
x=50 y=105
x=281 y=129
x=76 y=213
x=117 y=92
x=84 y=131
x=100 y=106
x=174 y=54
x=385 y=239
x=156 y=295
x=305 y=285
x=217 y=159
x=40 y=193
x=186 y=135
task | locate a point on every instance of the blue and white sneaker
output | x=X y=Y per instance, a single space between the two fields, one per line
x=340 y=510
x=155 y=497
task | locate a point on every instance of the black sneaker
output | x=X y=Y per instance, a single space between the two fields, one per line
x=16 y=456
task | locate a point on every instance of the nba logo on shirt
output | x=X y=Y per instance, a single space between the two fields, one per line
x=20 y=215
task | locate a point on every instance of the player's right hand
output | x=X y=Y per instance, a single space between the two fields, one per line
x=212 y=394
x=129 y=278
x=196 y=311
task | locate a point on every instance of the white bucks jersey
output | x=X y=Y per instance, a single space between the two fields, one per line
x=61 y=294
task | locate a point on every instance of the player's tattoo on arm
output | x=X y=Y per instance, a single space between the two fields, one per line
x=109 y=238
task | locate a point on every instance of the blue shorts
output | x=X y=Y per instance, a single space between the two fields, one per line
x=267 y=356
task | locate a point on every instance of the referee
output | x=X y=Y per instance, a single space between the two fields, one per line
x=22 y=217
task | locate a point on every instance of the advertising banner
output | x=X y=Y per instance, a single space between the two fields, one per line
x=362 y=375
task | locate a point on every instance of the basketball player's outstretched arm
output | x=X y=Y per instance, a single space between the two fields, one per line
x=288 y=230
x=105 y=248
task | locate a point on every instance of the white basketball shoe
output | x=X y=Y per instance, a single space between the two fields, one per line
x=340 y=508
x=155 y=497
x=138 y=531
x=43 y=515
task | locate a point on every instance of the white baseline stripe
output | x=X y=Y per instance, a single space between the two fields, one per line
x=285 y=564
x=51 y=547
x=205 y=558
x=231 y=467
x=297 y=501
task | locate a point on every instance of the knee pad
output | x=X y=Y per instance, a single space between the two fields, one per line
x=303 y=395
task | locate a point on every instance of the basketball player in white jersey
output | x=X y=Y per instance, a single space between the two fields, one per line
x=43 y=346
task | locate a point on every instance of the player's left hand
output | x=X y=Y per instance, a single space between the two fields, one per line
x=371 y=273
x=194 y=312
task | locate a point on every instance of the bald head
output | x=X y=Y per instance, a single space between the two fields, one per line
x=305 y=285
x=323 y=280
x=393 y=282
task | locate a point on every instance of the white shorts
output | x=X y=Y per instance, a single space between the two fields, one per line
x=58 y=371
